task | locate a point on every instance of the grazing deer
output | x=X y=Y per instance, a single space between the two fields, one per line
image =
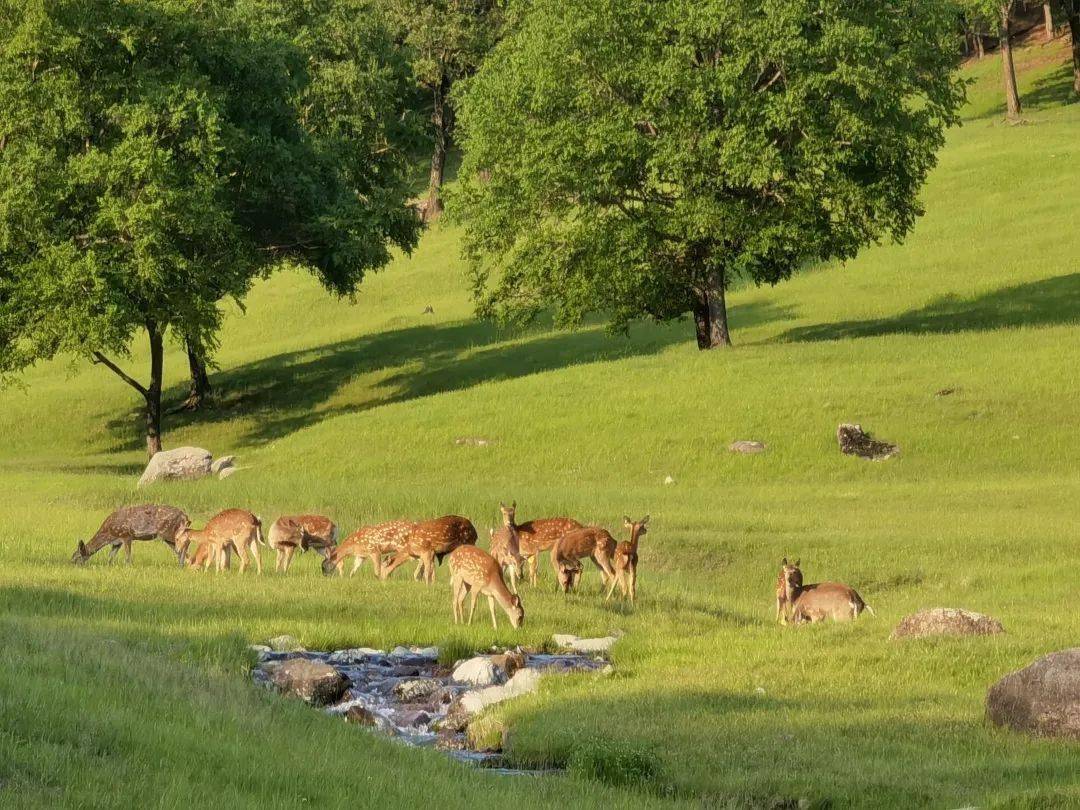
x=202 y=557
x=473 y=570
x=577 y=544
x=290 y=532
x=539 y=535
x=130 y=523
x=800 y=603
x=235 y=529
x=370 y=542
x=506 y=547
x=431 y=540
x=625 y=561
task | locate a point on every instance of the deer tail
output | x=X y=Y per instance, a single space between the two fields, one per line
x=860 y=605
x=259 y=533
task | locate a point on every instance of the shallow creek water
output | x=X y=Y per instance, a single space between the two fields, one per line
x=406 y=695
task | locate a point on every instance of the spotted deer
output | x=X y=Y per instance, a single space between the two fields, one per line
x=798 y=603
x=202 y=559
x=578 y=544
x=506 y=547
x=431 y=540
x=626 y=558
x=474 y=571
x=535 y=536
x=130 y=523
x=235 y=529
x=368 y=542
x=291 y=532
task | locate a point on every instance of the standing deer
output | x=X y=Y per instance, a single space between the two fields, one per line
x=290 y=532
x=625 y=562
x=202 y=557
x=800 y=603
x=577 y=544
x=539 y=535
x=370 y=542
x=130 y=523
x=431 y=540
x=232 y=529
x=473 y=570
x=506 y=547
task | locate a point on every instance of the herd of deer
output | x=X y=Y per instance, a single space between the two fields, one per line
x=472 y=570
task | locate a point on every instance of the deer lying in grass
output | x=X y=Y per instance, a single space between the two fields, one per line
x=130 y=523
x=798 y=603
x=625 y=561
x=576 y=545
x=291 y=532
x=506 y=547
x=473 y=570
x=368 y=542
x=431 y=540
x=539 y=535
x=235 y=529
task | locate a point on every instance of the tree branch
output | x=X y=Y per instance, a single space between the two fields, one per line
x=100 y=359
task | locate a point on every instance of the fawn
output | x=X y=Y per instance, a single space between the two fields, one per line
x=237 y=529
x=798 y=603
x=431 y=540
x=473 y=570
x=625 y=561
x=539 y=535
x=290 y=532
x=202 y=557
x=576 y=545
x=505 y=546
x=370 y=542
x=130 y=523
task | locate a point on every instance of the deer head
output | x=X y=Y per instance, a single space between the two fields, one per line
x=791 y=577
x=569 y=573
x=516 y=612
x=636 y=528
x=81 y=554
x=508 y=513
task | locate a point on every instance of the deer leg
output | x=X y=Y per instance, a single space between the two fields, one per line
x=513 y=578
x=399 y=560
x=357 y=562
x=428 y=562
x=472 y=603
x=127 y=551
x=455 y=597
x=418 y=574
x=611 y=590
x=113 y=551
x=532 y=570
x=604 y=564
x=633 y=584
x=254 y=548
x=491 y=606
x=376 y=563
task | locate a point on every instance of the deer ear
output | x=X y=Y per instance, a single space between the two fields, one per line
x=627 y=521
x=491 y=532
x=797 y=563
x=644 y=520
x=784 y=561
x=502 y=505
x=513 y=505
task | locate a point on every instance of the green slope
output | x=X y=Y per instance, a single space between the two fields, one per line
x=123 y=686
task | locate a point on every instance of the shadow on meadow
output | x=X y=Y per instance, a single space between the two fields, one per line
x=293 y=390
x=1049 y=302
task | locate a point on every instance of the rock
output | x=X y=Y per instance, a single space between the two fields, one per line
x=415 y=652
x=524 y=682
x=1042 y=699
x=312 y=681
x=854 y=441
x=259 y=648
x=222 y=463
x=416 y=690
x=747 y=447
x=180 y=463
x=946 y=622
x=413 y=719
x=360 y=716
x=354 y=655
x=584 y=645
x=226 y=473
x=509 y=662
x=285 y=643
x=429 y=310
x=471 y=441
x=478 y=671
x=669 y=480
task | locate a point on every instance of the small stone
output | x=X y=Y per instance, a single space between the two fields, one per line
x=415 y=652
x=946 y=622
x=312 y=681
x=669 y=480
x=413 y=719
x=429 y=310
x=746 y=447
x=220 y=464
x=225 y=473
x=259 y=648
x=360 y=716
x=354 y=655
x=471 y=441
x=416 y=690
x=478 y=671
x=285 y=643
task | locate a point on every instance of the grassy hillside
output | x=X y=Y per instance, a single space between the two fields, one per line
x=121 y=687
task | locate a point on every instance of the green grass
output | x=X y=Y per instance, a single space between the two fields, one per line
x=123 y=687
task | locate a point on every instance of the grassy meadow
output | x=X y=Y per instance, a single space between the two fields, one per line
x=129 y=687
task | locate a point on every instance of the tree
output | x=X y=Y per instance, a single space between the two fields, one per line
x=998 y=16
x=1071 y=10
x=447 y=39
x=158 y=155
x=636 y=158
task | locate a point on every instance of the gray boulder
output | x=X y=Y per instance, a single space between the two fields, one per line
x=222 y=463
x=746 y=447
x=478 y=671
x=589 y=646
x=417 y=689
x=180 y=463
x=524 y=682
x=946 y=622
x=1042 y=699
x=312 y=681
x=285 y=643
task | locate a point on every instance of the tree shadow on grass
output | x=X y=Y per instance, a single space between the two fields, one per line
x=1054 y=89
x=290 y=391
x=1049 y=302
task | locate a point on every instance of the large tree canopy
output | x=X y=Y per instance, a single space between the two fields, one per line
x=636 y=156
x=156 y=155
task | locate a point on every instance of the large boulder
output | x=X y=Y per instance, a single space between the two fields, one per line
x=417 y=689
x=180 y=463
x=854 y=441
x=524 y=682
x=946 y=622
x=1042 y=699
x=589 y=646
x=478 y=671
x=312 y=681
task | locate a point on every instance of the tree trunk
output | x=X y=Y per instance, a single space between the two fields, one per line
x=710 y=313
x=440 y=117
x=1048 y=19
x=980 y=51
x=1012 y=98
x=701 y=321
x=1074 y=31
x=200 y=381
x=153 y=391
